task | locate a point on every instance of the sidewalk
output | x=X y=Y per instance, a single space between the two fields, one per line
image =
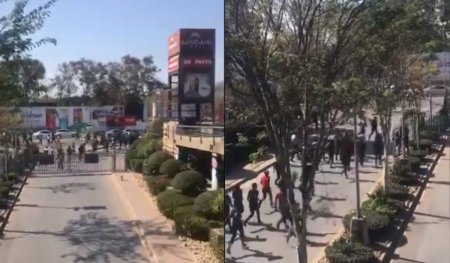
x=154 y=230
x=428 y=233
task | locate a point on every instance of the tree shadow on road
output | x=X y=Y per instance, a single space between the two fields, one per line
x=67 y=188
x=327 y=198
x=255 y=254
x=325 y=183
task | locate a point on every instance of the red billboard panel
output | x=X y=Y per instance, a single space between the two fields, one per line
x=174 y=43
x=197 y=62
x=174 y=63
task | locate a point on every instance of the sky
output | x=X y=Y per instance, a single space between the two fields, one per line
x=106 y=30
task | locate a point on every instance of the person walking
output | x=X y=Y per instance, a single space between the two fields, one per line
x=346 y=154
x=265 y=187
x=374 y=126
x=281 y=204
x=236 y=226
x=331 y=150
x=228 y=205
x=398 y=142
x=378 y=148
x=252 y=198
x=337 y=144
x=361 y=148
x=238 y=198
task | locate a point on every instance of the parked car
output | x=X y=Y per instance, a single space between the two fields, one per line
x=112 y=133
x=43 y=133
x=65 y=133
x=127 y=131
x=435 y=90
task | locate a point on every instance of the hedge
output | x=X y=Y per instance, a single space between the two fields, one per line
x=194 y=227
x=154 y=162
x=136 y=165
x=218 y=204
x=418 y=153
x=204 y=205
x=171 y=167
x=157 y=184
x=414 y=163
x=425 y=144
x=189 y=183
x=4 y=191
x=345 y=251
x=169 y=200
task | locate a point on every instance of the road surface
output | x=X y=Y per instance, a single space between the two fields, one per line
x=70 y=218
x=428 y=234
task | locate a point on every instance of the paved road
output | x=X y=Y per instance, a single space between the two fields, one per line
x=69 y=219
x=428 y=235
x=335 y=196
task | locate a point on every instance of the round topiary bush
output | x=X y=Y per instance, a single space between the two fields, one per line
x=425 y=144
x=157 y=184
x=137 y=165
x=154 y=161
x=346 y=251
x=204 y=205
x=169 y=200
x=218 y=204
x=189 y=183
x=194 y=227
x=418 y=153
x=171 y=167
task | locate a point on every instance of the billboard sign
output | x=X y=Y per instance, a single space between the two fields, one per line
x=197 y=86
x=197 y=40
x=196 y=62
x=32 y=117
x=174 y=43
x=174 y=63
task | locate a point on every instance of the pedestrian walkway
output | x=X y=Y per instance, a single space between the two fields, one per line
x=428 y=233
x=335 y=196
x=155 y=230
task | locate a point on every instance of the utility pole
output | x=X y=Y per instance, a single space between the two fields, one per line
x=355 y=147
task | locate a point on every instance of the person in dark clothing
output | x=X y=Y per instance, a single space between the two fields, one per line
x=378 y=148
x=281 y=204
x=238 y=199
x=406 y=140
x=228 y=205
x=346 y=154
x=235 y=227
x=362 y=128
x=315 y=119
x=331 y=150
x=337 y=145
x=374 y=126
x=252 y=198
x=361 y=147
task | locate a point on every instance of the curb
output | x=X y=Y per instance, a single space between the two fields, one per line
x=393 y=246
x=139 y=230
x=256 y=172
x=16 y=197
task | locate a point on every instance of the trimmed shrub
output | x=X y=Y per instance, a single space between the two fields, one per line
x=218 y=204
x=189 y=183
x=194 y=227
x=157 y=184
x=170 y=200
x=376 y=221
x=154 y=162
x=8 y=183
x=4 y=191
x=414 y=163
x=418 y=153
x=136 y=165
x=129 y=155
x=13 y=177
x=346 y=220
x=401 y=168
x=148 y=147
x=345 y=251
x=425 y=144
x=171 y=167
x=203 y=205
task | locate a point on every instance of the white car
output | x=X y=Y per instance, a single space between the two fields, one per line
x=43 y=133
x=435 y=90
x=65 y=133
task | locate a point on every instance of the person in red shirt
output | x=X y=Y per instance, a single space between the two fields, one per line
x=265 y=186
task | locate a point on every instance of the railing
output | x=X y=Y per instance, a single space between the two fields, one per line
x=200 y=131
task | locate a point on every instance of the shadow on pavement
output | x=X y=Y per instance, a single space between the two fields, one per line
x=95 y=238
x=256 y=254
x=327 y=198
x=34 y=176
x=66 y=188
x=325 y=183
x=76 y=208
x=397 y=257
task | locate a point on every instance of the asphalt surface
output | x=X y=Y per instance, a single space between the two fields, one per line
x=334 y=197
x=427 y=238
x=70 y=218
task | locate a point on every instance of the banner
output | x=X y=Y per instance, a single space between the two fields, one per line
x=50 y=118
x=174 y=43
x=77 y=115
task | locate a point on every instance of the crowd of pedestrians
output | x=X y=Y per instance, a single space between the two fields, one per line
x=341 y=147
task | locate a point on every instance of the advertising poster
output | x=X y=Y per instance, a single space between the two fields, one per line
x=105 y=111
x=188 y=111
x=77 y=115
x=196 y=86
x=32 y=117
x=63 y=117
x=206 y=112
x=51 y=115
